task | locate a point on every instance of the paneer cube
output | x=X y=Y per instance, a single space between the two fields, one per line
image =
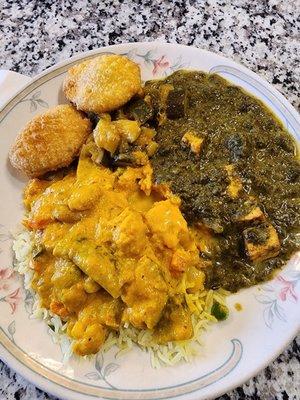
x=249 y=212
x=130 y=130
x=235 y=186
x=106 y=135
x=261 y=242
x=192 y=140
x=254 y=215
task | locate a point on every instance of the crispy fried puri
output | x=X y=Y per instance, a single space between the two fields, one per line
x=50 y=141
x=103 y=83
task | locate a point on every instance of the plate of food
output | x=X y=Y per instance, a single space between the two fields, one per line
x=149 y=225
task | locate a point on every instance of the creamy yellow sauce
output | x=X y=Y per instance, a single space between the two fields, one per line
x=111 y=249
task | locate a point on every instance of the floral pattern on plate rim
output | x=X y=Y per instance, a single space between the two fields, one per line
x=35 y=101
x=159 y=64
x=281 y=290
x=8 y=293
x=102 y=370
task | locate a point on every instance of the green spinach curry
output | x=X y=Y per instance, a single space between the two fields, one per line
x=233 y=165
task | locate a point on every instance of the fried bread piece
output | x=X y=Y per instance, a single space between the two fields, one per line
x=50 y=141
x=103 y=83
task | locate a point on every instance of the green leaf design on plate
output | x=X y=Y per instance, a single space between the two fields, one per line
x=12 y=328
x=110 y=368
x=94 y=376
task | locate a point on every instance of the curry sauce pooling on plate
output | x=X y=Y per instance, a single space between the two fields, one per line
x=235 y=168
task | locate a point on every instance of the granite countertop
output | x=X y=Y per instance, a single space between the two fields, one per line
x=261 y=34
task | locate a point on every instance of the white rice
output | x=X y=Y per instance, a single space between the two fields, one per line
x=128 y=336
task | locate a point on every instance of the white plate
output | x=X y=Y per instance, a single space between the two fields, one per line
x=233 y=350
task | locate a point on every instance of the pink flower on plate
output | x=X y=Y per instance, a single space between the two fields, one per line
x=13 y=299
x=160 y=63
x=5 y=275
x=287 y=290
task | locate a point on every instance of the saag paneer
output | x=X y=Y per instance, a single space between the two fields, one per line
x=233 y=165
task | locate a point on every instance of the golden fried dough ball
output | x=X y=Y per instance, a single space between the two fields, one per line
x=50 y=141
x=103 y=83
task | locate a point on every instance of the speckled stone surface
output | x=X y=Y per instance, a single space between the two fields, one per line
x=263 y=35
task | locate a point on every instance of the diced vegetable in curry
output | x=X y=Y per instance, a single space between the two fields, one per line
x=193 y=183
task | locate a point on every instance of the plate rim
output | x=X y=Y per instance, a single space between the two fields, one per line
x=24 y=370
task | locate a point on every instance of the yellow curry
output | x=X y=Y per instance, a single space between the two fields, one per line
x=110 y=249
